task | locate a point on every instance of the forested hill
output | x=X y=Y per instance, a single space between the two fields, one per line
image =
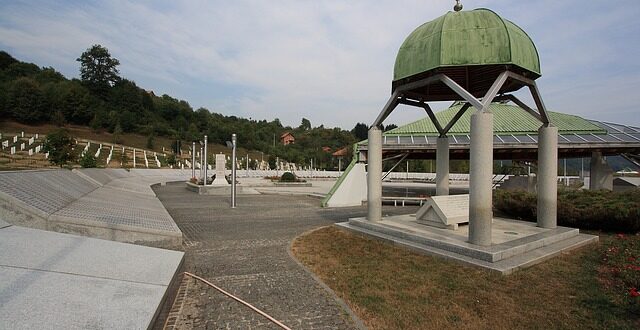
x=103 y=100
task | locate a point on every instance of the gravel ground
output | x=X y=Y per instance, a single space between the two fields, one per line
x=245 y=252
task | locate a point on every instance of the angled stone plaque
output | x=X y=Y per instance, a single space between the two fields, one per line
x=444 y=211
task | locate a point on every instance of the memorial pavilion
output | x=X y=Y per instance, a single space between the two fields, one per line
x=474 y=58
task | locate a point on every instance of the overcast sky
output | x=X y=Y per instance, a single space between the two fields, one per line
x=328 y=61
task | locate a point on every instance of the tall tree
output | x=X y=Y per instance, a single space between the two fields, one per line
x=361 y=131
x=98 y=69
x=305 y=124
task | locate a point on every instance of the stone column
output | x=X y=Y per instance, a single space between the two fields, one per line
x=601 y=175
x=481 y=178
x=374 y=175
x=442 y=166
x=547 y=176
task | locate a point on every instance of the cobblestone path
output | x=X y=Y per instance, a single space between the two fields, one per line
x=245 y=251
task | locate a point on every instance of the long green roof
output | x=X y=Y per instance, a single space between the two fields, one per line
x=507 y=119
x=476 y=37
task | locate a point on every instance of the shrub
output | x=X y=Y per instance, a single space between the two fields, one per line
x=584 y=209
x=288 y=177
x=88 y=161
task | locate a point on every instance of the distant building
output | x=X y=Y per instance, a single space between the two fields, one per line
x=340 y=152
x=287 y=138
x=326 y=149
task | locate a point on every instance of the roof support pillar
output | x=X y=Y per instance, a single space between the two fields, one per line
x=601 y=175
x=480 y=178
x=442 y=166
x=547 y=176
x=374 y=175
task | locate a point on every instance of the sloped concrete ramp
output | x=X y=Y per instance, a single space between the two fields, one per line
x=111 y=204
x=53 y=280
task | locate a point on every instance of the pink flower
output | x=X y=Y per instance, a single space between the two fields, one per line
x=633 y=292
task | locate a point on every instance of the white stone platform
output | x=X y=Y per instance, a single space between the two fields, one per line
x=61 y=281
x=516 y=244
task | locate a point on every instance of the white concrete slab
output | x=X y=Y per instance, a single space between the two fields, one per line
x=61 y=281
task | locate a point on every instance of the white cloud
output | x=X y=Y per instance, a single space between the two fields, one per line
x=328 y=61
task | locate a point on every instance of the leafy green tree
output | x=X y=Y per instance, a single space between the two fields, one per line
x=98 y=69
x=6 y=60
x=361 y=131
x=88 y=161
x=390 y=127
x=117 y=134
x=59 y=145
x=26 y=101
x=171 y=160
x=305 y=125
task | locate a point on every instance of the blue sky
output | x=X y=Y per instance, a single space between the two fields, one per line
x=328 y=61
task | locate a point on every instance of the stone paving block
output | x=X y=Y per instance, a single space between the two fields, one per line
x=61 y=281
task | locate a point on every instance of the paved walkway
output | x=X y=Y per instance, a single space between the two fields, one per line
x=245 y=251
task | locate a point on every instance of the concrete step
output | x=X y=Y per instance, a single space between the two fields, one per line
x=536 y=251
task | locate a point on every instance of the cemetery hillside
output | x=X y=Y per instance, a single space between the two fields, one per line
x=103 y=106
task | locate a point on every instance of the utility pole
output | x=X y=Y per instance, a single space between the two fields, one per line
x=233 y=171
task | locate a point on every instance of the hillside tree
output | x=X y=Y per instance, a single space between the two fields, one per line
x=98 y=69
x=59 y=145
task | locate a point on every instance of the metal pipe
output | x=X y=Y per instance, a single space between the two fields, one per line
x=193 y=159
x=233 y=171
x=206 y=166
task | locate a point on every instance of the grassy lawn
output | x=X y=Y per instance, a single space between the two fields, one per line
x=394 y=288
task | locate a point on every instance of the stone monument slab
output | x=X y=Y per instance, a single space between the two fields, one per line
x=444 y=211
x=221 y=162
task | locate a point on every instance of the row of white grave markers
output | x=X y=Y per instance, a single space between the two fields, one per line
x=5 y=144
x=155 y=155
x=98 y=151
x=15 y=139
x=134 y=157
x=22 y=146
x=146 y=162
x=86 y=148
x=32 y=140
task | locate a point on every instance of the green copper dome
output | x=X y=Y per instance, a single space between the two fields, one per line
x=467 y=38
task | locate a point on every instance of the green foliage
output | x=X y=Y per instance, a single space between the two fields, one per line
x=288 y=177
x=117 y=134
x=150 y=141
x=305 y=125
x=25 y=100
x=59 y=145
x=103 y=100
x=584 y=209
x=98 y=69
x=88 y=161
x=171 y=160
x=361 y=131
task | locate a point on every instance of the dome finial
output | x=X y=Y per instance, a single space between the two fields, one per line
x=458 y=6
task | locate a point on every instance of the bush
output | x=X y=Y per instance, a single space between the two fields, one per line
x=584 y=209
x=88 y=161
x=288 y=177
